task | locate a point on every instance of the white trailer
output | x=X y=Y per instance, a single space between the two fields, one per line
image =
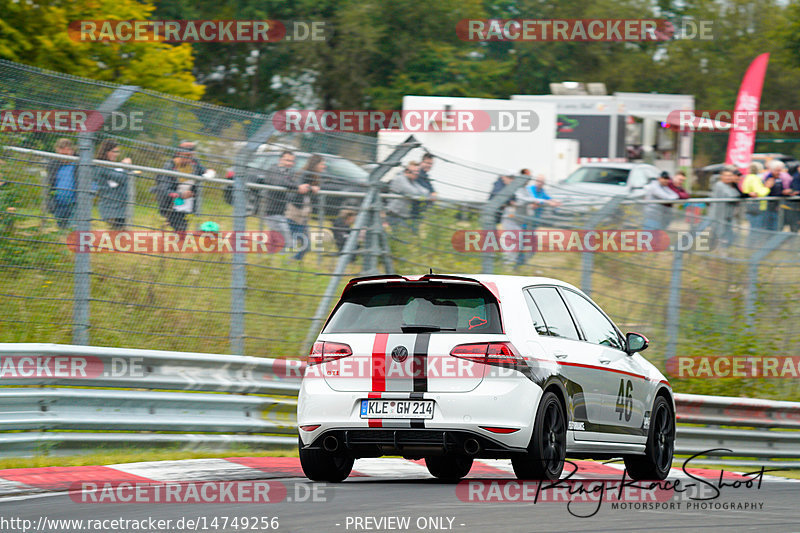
x=468 y=163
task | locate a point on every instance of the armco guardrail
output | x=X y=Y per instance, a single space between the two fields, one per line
x=91 y=366
x=86 y=396
x=756 y=431
x=89 y=396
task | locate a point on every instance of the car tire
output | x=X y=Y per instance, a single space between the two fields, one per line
x=319 y=465
x=548 y=445
x=656 y=462
x=449 y=468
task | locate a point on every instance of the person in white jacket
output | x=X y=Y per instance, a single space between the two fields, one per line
x=657 y=215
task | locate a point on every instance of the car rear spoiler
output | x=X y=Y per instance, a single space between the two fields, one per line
x=397 y=277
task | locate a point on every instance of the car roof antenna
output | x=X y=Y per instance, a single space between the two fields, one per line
x=431 y=271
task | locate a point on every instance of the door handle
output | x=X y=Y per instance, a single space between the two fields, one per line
x=560 y=355
x=605 y=361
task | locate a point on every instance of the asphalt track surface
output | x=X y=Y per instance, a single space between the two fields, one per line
x=385 y=491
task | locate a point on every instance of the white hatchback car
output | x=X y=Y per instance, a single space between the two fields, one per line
x=452 y=368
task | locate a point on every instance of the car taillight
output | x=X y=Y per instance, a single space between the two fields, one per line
x=490 y=353
x=322 y=352
x=502 y=431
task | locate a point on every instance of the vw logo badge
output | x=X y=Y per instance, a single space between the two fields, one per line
x=399 y=354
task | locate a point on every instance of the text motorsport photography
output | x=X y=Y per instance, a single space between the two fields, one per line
x=585 y=498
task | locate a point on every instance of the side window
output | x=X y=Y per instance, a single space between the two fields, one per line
x=536 y=316
x=596 y=327
x=555 y=312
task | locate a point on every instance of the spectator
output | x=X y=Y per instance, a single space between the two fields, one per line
x=540 y=199
x=418 y=206
x=515 y=217
x=792 y=214
x=399 y=209
x=658 y=215
x=753 y=187
x=342 y=224
x=61 y=179
x=177 y=197
x=779 y=183
x=272 y=204
x=721 y=214
x=298 y=204
x=676 y=184
x=112 y=186
x=500 y=183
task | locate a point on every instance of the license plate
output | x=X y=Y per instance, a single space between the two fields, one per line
x=397 y=409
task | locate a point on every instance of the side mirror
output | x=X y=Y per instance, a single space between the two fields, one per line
x=636 y=343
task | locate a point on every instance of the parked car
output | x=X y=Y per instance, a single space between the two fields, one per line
x=452 y=368
x=342 y=175
x=598 y=182
x=707 y=175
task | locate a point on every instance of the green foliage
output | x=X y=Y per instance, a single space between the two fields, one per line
x=15 y=242
x=36 y=34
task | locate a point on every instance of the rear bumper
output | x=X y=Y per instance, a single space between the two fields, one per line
x=457 y=416
x=375 y=442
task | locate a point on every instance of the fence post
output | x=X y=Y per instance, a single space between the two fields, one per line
x=489 y=213
x=674 y=305
x=774 y=242
x=370 y=203
x=83 y=217
x=239 y=259
x=587 y=258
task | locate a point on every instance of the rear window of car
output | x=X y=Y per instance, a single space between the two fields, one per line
x=404 y=308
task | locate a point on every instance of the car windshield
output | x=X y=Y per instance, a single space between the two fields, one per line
x=404 y=308
x=606 y=175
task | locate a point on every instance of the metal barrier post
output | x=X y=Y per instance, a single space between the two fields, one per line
x=362 y=220
x=489 y=213
x=83 y=217
x=775 y=242
x=239 y=259
x=587 y=258
x=674 y=305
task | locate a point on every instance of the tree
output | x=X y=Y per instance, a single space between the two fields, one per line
x=37 y=34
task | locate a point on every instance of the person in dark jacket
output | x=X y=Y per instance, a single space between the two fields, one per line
x=111 y=185
x=272 y=204
x=498 y=186
x=303 y=186
x=178 y=197
x=423 y=179
x=342 y=225
x=778 y=182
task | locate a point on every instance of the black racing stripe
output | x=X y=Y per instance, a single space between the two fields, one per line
x=419 y=365
x=616 y=430
x=417 y=423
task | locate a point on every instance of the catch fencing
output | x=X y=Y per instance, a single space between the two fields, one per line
x=62 y=399
x=689 y=300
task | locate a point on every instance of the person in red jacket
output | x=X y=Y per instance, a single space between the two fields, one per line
x=676 y=184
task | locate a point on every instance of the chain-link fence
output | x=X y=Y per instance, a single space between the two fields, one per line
x=162 y=164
